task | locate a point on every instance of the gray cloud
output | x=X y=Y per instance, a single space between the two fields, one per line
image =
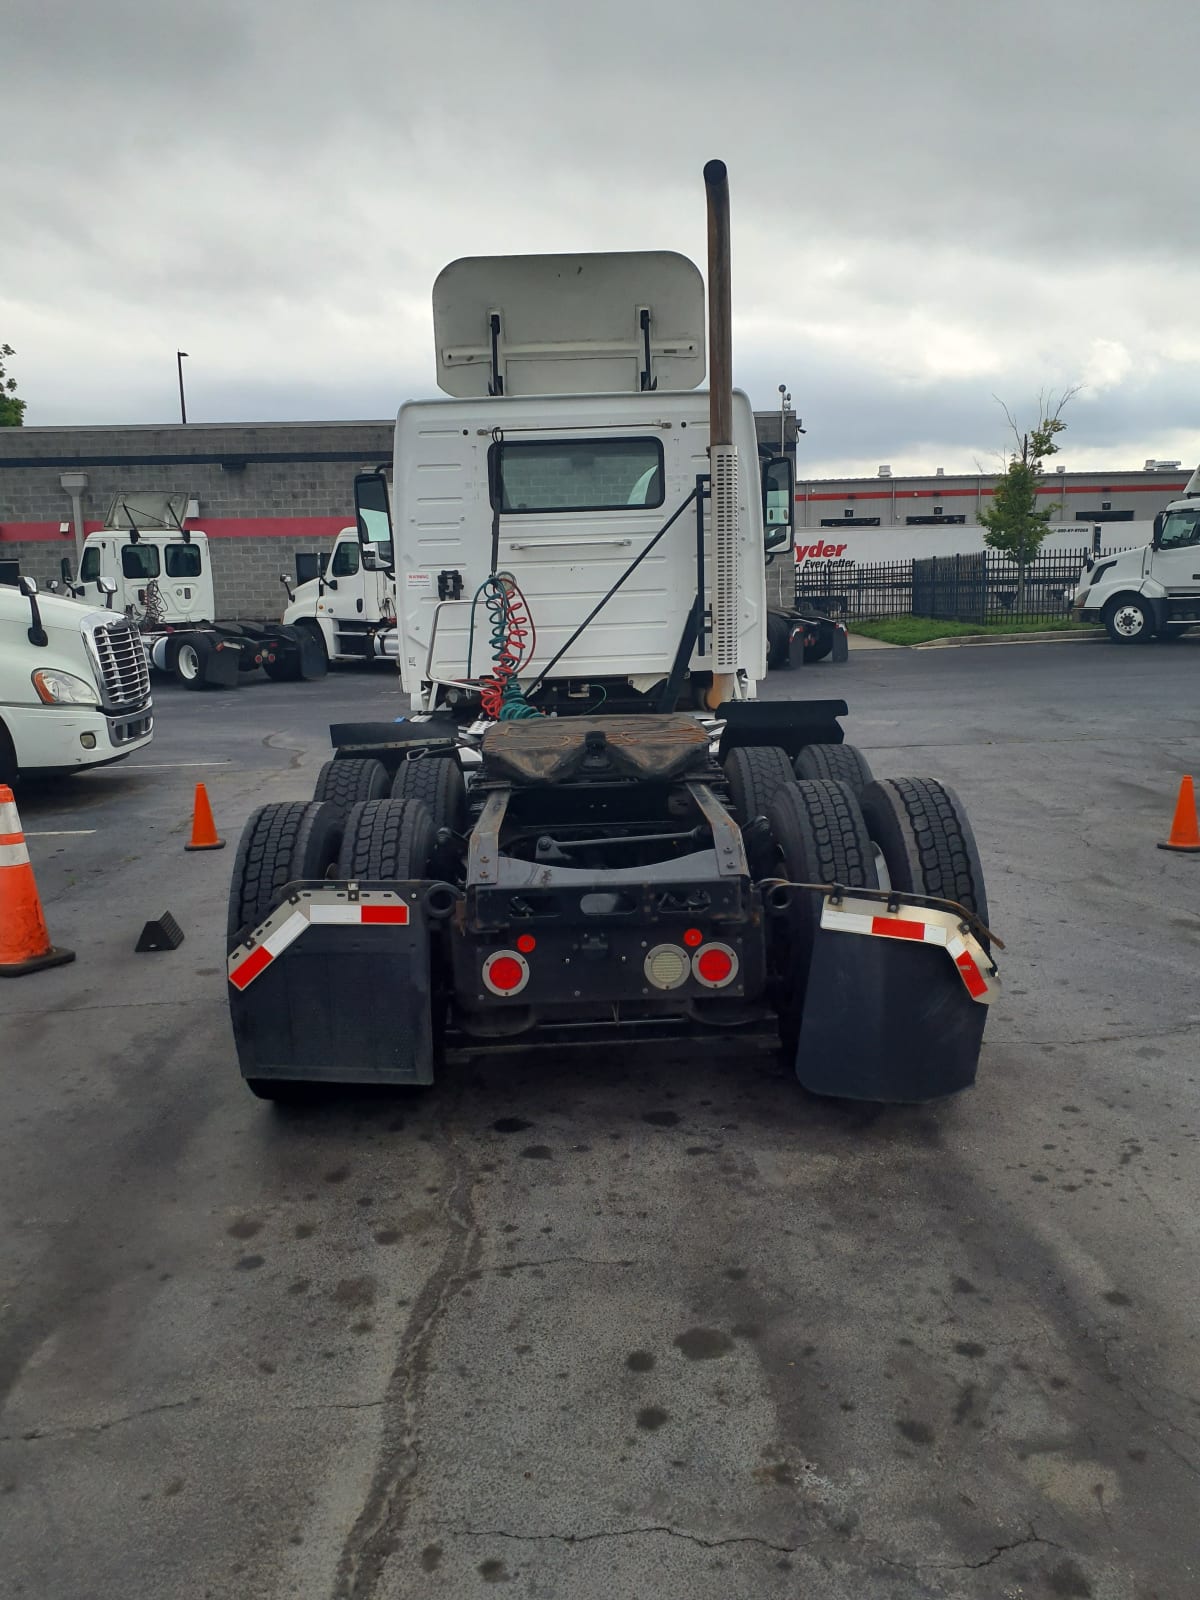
x=932 y=202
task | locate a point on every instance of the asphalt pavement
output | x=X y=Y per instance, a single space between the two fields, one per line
x=650 y=1326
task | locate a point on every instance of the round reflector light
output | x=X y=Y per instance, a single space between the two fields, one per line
x=693 y=937
x=715 y=965
x=667 y=966
x=526 y=944
x=505 y=972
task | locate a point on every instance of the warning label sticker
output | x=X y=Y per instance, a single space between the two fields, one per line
x=419 y=582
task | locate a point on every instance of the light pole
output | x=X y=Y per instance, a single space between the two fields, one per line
x=785 y=401
x=179 y=359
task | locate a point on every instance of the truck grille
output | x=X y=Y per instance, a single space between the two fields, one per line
x=124 y=674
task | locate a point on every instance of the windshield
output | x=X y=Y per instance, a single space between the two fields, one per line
x=1180 y=528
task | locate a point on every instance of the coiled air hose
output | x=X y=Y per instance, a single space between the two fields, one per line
x=513 y=639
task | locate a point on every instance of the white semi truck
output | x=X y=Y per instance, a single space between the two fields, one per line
x=74 y=685
x=587 y=830
x=1154 y=592
x=352 y=604
x=161 y=572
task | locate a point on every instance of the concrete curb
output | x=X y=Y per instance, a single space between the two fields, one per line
x=1099 y=637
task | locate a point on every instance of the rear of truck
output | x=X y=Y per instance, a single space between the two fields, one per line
x=588 y=829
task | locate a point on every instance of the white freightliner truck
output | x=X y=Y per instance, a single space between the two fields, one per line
x=352 y=604
x=1154 y=592
x=587 y=828
x=161 y=571
x=74 y=685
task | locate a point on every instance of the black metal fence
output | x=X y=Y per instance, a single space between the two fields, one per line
x=981 y=586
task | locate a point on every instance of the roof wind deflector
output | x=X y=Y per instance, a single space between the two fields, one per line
x=648 y=379
x=496 y=382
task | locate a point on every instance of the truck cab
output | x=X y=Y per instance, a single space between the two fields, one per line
x=353 y=603
x=1153 y=592
x=74 y=684
x=163 y=577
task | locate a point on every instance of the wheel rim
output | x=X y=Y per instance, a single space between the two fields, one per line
x=1129 y=621
x=188 y=662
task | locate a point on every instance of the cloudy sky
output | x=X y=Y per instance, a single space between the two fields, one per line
x=934 y=202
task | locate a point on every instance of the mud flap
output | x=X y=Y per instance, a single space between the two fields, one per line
x=841 y=644
x=343 y=1003
x=886 y=1020
x=220 y=667
x=314 y=663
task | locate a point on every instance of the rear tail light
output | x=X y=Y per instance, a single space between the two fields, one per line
x=667 y=966
x=505 y=972
x=715 y=965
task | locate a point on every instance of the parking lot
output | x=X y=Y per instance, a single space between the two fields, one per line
x=640 y=1326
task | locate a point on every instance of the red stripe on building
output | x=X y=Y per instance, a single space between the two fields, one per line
x=214 y=527
x=951 y=494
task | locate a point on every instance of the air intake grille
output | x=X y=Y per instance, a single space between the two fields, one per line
x=724 y=547
x=124 y=673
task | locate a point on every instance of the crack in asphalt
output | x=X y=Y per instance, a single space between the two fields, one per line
x=550 y=1261
x=52 y=1432
x=652 y=1528
x=377 y=1527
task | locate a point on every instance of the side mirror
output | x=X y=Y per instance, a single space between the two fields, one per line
x=64 y=568
x=1159 y=520
x=779 y=503
x=107 y=587
x=372 y=508
x=287 y=584
x=35 y=633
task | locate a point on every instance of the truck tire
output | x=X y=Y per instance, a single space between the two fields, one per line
x=755 y=773
x=438 y=781
x=187 y=659
x=819 y=835
x=927 y=844
x=817 y=651
x=344 y=783
x=843 y=763
x=386 y=839
x=280 y=844
x=281 y=663
x=8 y=758
x=1128 y=619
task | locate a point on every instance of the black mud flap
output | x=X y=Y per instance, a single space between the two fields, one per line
x=342 y=1004
x=313 y=661
x=220 y=666
x=886 y=1020
x=841 y=645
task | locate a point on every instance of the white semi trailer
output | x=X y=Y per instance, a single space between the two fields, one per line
x=588 y=828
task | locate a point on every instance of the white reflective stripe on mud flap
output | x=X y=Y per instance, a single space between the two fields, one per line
x=920 y=925
x=283 y=936
x=343 y=914
x=14 y=855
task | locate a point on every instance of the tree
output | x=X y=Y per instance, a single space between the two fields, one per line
x=1014 y=523
x=12 y=410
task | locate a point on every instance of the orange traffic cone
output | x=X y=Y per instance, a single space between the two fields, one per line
x=204 y=829
x=24 y=943
x=1185 y=829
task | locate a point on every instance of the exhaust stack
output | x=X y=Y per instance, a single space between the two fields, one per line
x=723 y=457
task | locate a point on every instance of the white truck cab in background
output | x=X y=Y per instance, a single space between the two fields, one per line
x=1153 y=592
x=74 y=685
x=353 y=602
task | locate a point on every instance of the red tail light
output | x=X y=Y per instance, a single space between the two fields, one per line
x=505 y=972
x=715 y=966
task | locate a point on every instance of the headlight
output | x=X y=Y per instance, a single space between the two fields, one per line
x=62 y=689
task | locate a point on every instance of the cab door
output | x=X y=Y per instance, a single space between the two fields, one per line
x=181 y=583
x=346 y=598
x=1175 y=556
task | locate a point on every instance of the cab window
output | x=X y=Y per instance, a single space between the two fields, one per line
x=346 y=560
x=182 y=560
x=1181 y=528
x=576 y=474
x=139 y=561
x=89 y=567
